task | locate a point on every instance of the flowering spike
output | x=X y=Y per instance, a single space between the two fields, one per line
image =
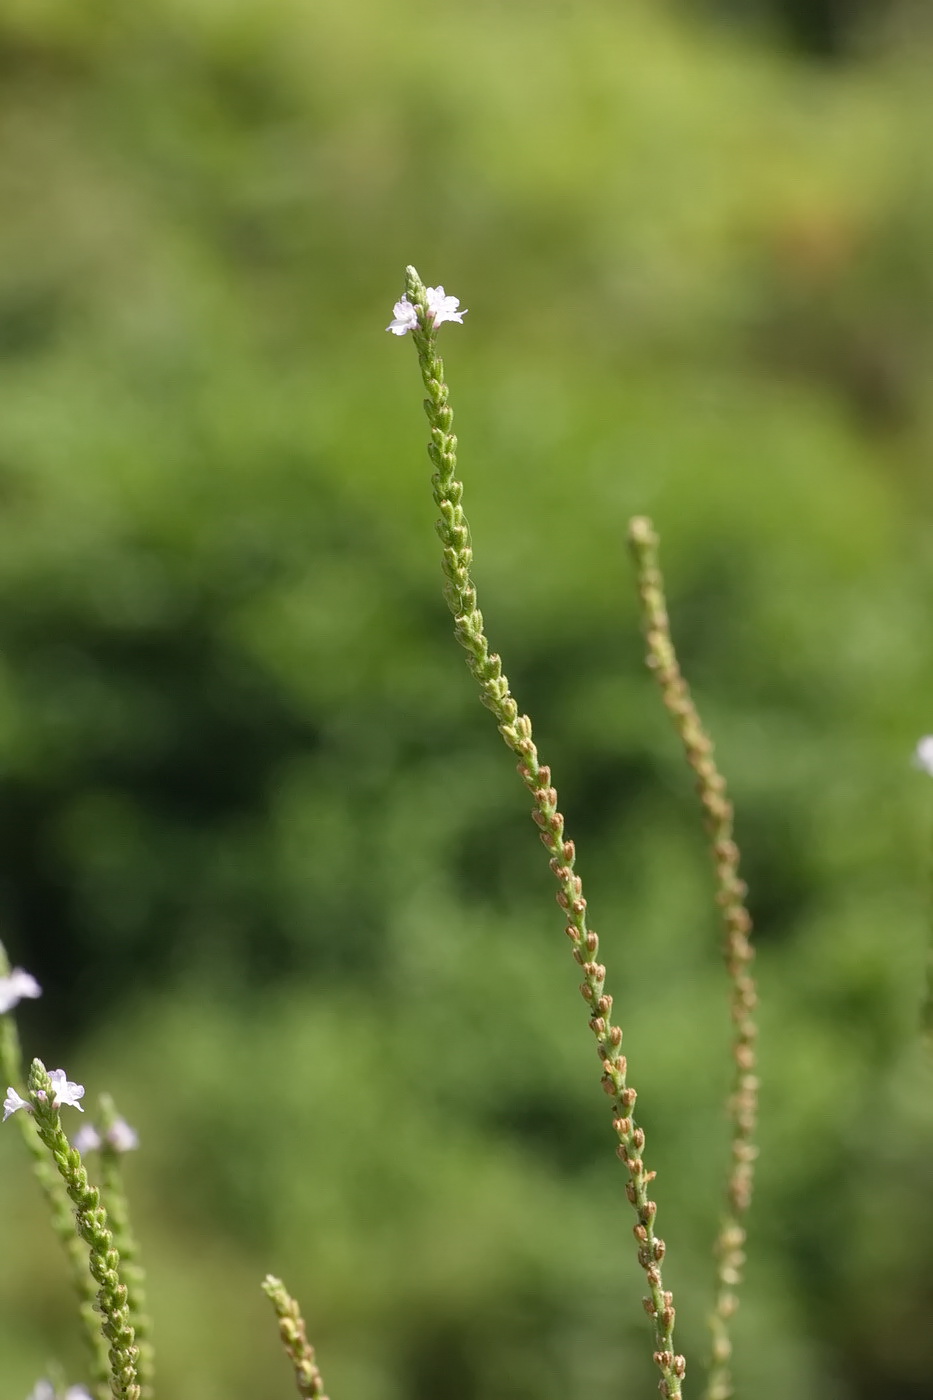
x=516 y=730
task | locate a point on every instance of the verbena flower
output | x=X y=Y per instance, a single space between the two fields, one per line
x=64 y=1091
x=923 y=755
x=406 y=318
x=15 y=987
x=45 y=1390
x=441 y=308
x=11 y=1104
x=121 y=1137
x=86 y=1139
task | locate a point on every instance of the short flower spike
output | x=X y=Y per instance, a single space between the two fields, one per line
x=441 y=308
x=14 y=988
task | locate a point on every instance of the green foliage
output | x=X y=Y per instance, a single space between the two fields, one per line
x=259 y=841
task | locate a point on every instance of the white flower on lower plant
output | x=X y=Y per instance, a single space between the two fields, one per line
x=923 y=755
x=86 y=1139
x=15 y=987
x=121 y=1137
x=45 y=1390
x=441 y=308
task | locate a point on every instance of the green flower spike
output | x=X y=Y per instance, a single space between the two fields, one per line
x=51 y=1185
x=295 y=1340
x=47 y=1094
x=426 y=309
x=737 y=948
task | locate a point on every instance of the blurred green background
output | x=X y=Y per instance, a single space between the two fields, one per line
x=261 y=844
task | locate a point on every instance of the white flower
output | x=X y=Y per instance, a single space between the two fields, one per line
x=11 y=1104
x=923 y=755
x=19 y=984
x=65 y=1091
x=406 y=318
x=86 y=1139
x=44 y=1390
x=441 y=308
x=121 y=1136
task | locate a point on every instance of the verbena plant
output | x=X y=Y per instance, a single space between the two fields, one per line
x=81 y=1178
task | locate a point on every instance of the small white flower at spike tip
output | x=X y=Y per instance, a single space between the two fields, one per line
x=14 y=988
x=12 y=1103
x=441 y=308
x=923 y=755
x=406 y=318
x=65 y=1091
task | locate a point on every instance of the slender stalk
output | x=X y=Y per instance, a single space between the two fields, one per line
x=295 y=1340
x=92 y=1224
x=516 y=730
x=60 y=1212
x=737 y=950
